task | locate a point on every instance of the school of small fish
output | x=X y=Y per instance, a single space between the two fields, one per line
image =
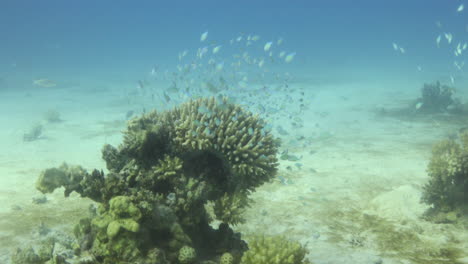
x=244 y=69
x=443 y=39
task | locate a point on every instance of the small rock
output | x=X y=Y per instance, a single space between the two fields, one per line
x=39 y=200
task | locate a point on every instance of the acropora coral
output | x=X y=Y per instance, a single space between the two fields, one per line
x=169 y=166
x=274 y=250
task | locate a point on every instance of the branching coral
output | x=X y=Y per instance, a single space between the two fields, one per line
x=229 y=208
x=436 y=98
x=274 y=250
x=170 y=165
x=448 y=171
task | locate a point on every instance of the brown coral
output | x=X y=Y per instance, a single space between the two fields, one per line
x=169 y=166
x=448 y=172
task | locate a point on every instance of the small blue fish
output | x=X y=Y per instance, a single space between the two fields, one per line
x=261 y=108
x=207 y=132
x=203 y=109
x=166 y=97
x=293 y=158
x=223 y=107
x=267 y=127
x=282 y=131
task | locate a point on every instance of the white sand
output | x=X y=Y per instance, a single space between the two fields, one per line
x=371 y=167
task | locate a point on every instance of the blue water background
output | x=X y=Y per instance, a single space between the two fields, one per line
x=104 y=39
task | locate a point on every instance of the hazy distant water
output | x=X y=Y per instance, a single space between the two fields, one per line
x=97 y=47
x=80 y=39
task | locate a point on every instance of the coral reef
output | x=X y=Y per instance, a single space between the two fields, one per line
x=52 y=116
x=230 y=208
x=169 y=166
x=448 y=184
x=437 y=105
x=436 y=98
x=49 y=251
x=274 y=250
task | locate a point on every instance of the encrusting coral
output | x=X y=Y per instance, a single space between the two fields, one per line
x=170 y=165
x=448 y=184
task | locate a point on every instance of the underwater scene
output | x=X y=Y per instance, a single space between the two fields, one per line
x=234 y=132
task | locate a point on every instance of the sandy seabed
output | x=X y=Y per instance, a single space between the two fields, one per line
x=353 y=197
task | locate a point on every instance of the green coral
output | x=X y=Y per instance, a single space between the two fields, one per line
x=230 y=208
x=50 y=179
x=448 y=182
x=25 y=256
x=65 y=175
x=122 y=207
x=226 y=258
x=231 y=134
x=187 y=255
x=43 y=254
x=169 y=166
x=75 y=179
x=222 y=140
x=274 y=250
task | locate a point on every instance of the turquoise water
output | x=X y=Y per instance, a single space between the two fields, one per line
x=126 y=39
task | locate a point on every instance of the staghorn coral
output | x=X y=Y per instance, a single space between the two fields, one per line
x=274 y=250
x=205 y=131
x=230 y=208
x=448 y=183
x=169 y=166
x=228 y=132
